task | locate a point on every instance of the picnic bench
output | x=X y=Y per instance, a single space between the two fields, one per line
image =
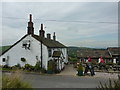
x=116 y=67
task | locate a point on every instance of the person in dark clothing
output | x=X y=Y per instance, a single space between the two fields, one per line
x=88 y=67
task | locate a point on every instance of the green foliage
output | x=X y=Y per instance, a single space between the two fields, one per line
x=113 y=85
x=28 y=67
x=79 y=67
x=6 y=66
x=37 y=66
x=13 y=81
x=72 y=51
x=4 y=48
x=51 y=65
x=43 y=70
x=16 y=66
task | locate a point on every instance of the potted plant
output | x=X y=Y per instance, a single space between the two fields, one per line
x=50 y=67
x=80 y=69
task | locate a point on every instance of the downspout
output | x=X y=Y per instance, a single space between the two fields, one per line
x=41 y=55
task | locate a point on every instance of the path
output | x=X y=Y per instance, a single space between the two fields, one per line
x=69 y=70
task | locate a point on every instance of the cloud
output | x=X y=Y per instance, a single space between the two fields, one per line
x=86 y=31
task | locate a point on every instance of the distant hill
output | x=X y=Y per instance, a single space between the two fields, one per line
x=72 y=50
x=4 y=48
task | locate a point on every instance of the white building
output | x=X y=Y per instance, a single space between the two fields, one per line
x=35 y=48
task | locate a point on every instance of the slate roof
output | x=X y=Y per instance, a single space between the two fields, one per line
x=93 y=53
x=114 y=50
x=49 y=42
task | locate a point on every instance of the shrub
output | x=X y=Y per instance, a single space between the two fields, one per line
x=51 y=66
x=37 y=66
x=43 y=70
x=6 y=66
x=13 y=81
x=28 y=67
x=79 y=67
x=18 y=66
x=112 y=85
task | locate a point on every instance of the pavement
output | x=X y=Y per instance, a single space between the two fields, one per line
x=70 y=71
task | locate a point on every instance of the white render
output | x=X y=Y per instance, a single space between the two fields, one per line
x=13 y=56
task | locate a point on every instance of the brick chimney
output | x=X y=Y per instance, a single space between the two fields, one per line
x=30 y=26
x=42 y=32
x=54 y=37
x=49 y=36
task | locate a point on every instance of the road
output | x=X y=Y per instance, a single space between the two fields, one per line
x=66 y=79
x=57 y=81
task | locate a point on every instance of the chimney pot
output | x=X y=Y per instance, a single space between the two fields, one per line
x=30 y=17
x=30 y=26
x=41 y=32
x=49 y=36
x=54 y=37
x=41 y=26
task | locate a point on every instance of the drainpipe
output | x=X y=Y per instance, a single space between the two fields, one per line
x=41 y=55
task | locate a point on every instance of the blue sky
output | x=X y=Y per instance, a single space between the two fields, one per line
x=77 y=24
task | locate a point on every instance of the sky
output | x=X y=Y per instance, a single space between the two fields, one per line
x=82 y=24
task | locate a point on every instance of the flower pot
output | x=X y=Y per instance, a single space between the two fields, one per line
x=80 y=73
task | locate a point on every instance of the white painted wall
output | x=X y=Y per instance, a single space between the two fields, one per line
x=65 y=60
x=17 y=52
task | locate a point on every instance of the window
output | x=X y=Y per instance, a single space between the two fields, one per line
x=3 y=59
x=23 y=59
x=49 y=52
x=26 y=44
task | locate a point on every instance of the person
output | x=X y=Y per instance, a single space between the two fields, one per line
x=88 y=67
x=101 y=63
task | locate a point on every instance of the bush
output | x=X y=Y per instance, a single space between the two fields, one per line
x=37 y=66
x=112 y=85
x=28 y=67
x=13 y=81
x=43 y=70
x=17 y=66
x=51 y=66
x=79 y=67
x=6 y=66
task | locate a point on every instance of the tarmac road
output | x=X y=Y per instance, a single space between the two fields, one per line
x=58 y=81
x=66 y=79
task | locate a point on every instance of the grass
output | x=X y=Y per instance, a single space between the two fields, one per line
x=4 y=48
x=14 y=81
x=112 y=84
